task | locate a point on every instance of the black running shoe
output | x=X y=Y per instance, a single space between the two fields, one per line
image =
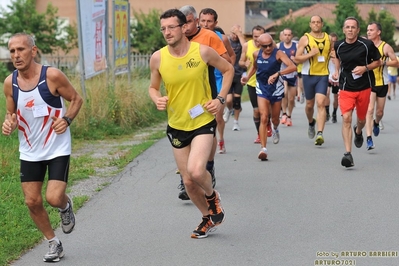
x=182 y=194
x=334 y=118
x=358 y=140
x=205 y=227
x=212 y=172
x=347 y=160
x=215 y=209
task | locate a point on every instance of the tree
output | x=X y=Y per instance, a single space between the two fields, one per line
x=282 y=8
x=46 y=28
x=344 y=9
x=387 y=22
x=299 y=26
x=146 y=37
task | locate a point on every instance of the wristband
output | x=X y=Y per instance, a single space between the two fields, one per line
x=221 y=99
x=68 y=120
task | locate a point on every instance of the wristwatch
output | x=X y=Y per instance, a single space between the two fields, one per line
x=67 y=119
x=221 y=99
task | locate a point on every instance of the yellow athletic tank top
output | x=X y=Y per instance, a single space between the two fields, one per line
x=317 y=65
x=250 y=55
x=393 y=71
x=187 y=85
x=299 y=68
x=381 y=72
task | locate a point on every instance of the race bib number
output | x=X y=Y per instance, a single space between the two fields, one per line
x=196 y=111
x=40 y=110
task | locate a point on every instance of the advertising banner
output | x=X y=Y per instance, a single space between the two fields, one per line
x=93 y=44
x=121 y=36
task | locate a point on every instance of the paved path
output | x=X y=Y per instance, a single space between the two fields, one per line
x=299 y=208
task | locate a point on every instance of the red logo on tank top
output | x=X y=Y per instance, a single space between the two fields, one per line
x=30 y=104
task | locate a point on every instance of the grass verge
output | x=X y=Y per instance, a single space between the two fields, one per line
x=17 y=231
x=112 y=115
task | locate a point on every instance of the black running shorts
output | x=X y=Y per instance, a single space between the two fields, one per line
x=180 y=139
x=58 y=169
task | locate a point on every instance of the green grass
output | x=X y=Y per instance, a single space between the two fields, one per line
x=114 y=114
x=17 y=231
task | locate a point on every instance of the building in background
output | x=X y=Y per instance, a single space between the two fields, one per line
x=325 y=10
x=243 y=12
x=247 y=13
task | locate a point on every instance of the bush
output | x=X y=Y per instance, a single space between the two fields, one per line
x=113 y=109
x=4 y=71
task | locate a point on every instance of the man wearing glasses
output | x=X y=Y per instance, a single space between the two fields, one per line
x=314 y=52
x=211 y=39
x=183 y=67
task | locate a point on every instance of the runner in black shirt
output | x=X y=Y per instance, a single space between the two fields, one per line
x=356 y=57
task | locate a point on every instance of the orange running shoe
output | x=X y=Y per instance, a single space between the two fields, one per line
x=205 y=227
x=215 y=209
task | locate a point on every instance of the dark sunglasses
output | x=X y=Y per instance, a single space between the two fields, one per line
x=267 y=45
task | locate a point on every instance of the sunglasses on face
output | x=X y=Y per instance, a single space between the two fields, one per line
x=267 y=45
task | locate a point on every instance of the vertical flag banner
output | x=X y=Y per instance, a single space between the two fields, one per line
x=93 y=36
x=121 y=36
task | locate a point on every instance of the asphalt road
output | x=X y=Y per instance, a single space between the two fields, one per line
x=301 y=207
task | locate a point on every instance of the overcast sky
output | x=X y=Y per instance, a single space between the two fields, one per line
x=4 y=3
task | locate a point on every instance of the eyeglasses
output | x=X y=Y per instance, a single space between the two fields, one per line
x=267 y=45
x=170 y=28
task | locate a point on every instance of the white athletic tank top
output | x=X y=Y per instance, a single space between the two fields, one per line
x=37 y=139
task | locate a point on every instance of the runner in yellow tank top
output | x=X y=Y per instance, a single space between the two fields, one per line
x=192 y=73
x=300 y=91
x=246 y=61
x=191 y=109
x=381 y=72
x=251 y=48
x=380 y=89
x=314 y=52
x=392 y=80
x=316 y=65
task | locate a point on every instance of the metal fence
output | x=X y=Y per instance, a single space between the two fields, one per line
x=61 y=62
x=140 y=60
x=71 y=63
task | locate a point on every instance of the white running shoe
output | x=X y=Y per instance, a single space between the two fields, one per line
x=55 y=253
x=68 y=218
x=236 y=127
x=302 y=100
x=263 y=154
x=226 y=114
x=276 y=136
